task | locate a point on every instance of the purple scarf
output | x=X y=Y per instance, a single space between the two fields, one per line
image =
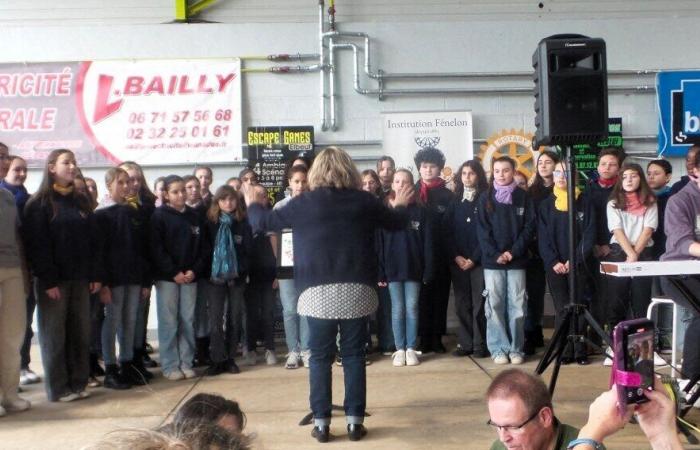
x=504 y=194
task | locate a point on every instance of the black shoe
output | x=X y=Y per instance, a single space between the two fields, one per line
x=215 y=369
x=232 y=367
x=437 y=344
x=201 y=357
x=566 y=360
x=460 y=352
x=582 y=360
x=356 y=431
x=529 y=347
x=321 y=433
x=148 y=362
x=426 y=344
x=132 y=375
x=113 y=380
x=482 y=353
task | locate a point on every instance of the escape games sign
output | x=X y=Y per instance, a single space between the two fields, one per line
x=151 y=111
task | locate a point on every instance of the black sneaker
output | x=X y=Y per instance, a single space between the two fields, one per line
x=459 y=352
x=215 y=369
x=232 y=367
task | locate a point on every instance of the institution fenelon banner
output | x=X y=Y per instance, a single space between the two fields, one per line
x=150 y=111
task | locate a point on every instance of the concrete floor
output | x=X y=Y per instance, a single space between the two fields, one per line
x=438 y=404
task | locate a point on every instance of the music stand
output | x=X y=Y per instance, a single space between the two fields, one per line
x=574 y=311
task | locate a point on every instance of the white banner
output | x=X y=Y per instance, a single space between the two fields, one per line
x=162 y=112
x=405 y=133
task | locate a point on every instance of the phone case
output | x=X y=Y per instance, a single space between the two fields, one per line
x=621 y=378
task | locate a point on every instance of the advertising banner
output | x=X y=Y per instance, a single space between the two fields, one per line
x=269 y=149
x=404 y=133
x=150 y=111
x=586 y=155
x=678 y=103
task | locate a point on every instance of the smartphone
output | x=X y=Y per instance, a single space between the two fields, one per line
x=633 y=341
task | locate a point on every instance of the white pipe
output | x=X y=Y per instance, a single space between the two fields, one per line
x=331 y=84
x=322 y=63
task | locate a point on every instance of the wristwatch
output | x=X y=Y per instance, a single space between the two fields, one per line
x=596 y=445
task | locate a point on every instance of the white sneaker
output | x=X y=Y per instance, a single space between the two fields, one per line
x=659 y=360
x=608 y=361
x=306 y=357
x=71 y=396
x=412 y=357
x=175 y=375
x=500 y=359
x=83 y=394
x=270 y=358
x=27 y=376
x=516 y=358
x=16 y=404
x=398 y=359
x=188 y=373
x=292 y=361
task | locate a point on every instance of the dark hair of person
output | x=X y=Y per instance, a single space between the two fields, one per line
x=429 y=155
x=222 y=193
x=646 y=195
x=491 y=189
x=188 y=178
x=529 y=388
x=371 y=173
x=207 y=168
x=246 y=171
x=618 y=153
x=665 y=165
x=537 y=188
x=385 y=158
x=481 y=182
x=206 y=408
x=145 y=193
x=296 y=169
x=44 y=195
x=291 y=169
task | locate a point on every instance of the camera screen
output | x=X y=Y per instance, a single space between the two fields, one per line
x=640 y=357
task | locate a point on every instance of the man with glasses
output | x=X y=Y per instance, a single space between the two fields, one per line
x=520 y=411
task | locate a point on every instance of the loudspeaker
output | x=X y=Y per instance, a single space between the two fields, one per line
x=571 y=90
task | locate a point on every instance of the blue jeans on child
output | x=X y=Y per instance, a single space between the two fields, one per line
x=176 y=303
x=120 y=321
x=296 y=329
x=505 y=311
x=404 y=312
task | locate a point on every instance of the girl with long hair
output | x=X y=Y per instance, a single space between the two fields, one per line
x=231 y=239
x=507 y=223
x=465 y=259
x=64 y=252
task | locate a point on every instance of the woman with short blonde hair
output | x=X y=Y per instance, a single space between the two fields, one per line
x=335 y=272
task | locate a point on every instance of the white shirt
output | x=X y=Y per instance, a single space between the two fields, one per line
x=631 y=224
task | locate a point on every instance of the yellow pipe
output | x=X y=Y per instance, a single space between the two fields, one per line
x=181 y=10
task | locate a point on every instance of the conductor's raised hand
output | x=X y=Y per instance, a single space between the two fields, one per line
x=404 y=196
x=253 y=193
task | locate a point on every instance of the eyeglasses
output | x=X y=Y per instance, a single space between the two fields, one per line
x=512 y=428
x=559 y=173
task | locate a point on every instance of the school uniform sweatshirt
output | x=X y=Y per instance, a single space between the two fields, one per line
x=407 y=254
x=506 y=228
x=242 y=242
x=9 y=231
x=65 y=246
x=460 y=230
x=126 y=255
x=553 y=232
x=177 y=243
x=333 y=234
x=598 y=198
x=439 y=199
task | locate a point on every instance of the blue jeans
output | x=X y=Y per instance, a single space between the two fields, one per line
x=353 y=336
x=296 y=328
x=385 y=333
x=176 y=303
x=505 y=311
x=120 y=320
x=404 y=312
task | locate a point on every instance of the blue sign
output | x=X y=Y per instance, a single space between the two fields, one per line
x=678 y=101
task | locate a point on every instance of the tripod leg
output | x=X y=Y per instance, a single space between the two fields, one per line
x=555 y=346
x=596 y=327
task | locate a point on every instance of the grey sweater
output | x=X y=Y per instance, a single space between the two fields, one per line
x=682 y=223
x=9 y=231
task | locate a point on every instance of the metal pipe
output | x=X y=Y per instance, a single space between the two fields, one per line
x=283 y=69
x=322 y=63
x=331 y=85
x=291 y=57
